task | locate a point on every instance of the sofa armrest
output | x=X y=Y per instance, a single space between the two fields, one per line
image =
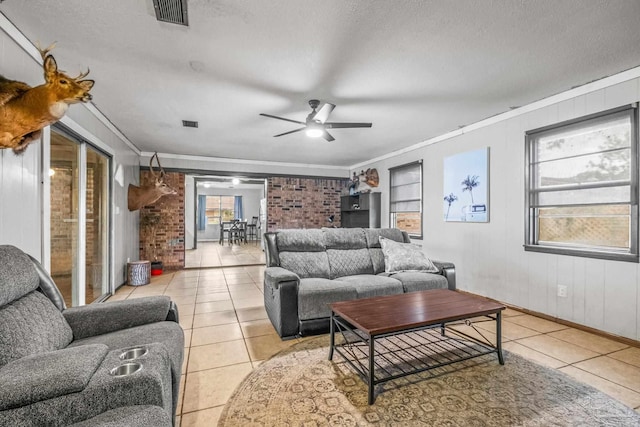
x=281 y=300
x=273 y=276
x=47 y=375
x=448 y=270
x=97 y=319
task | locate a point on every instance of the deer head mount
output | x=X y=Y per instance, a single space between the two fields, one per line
x=148 y=194
x=25 y=110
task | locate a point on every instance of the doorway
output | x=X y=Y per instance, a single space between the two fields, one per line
x=213 y=201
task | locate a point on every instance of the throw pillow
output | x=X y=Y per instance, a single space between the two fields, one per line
x=405 y=257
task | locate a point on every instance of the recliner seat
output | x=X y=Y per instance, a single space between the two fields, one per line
x=55 y=362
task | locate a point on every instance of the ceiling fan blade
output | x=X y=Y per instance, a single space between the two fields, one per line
x=330 y=125
x=282 y=118
x=323 y=113
x=291 y=131
x=326 y=135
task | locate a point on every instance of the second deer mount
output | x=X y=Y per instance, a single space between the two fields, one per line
x=144 y=195
x=26 y=110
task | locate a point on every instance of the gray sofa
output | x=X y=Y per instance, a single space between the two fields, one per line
x=309 y=269
x=56 y=363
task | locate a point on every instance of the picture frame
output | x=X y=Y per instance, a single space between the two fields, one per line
x=466 y=187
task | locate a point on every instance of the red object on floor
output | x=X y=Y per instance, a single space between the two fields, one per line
x=156 y=272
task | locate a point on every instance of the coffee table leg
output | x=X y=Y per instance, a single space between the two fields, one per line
x=371 y=365
x=499 y=337
x=332 y=330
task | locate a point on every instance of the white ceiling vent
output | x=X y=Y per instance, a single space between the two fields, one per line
x=173 y=11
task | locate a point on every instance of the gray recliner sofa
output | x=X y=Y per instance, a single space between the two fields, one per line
x=310 y=268
x=56 y=363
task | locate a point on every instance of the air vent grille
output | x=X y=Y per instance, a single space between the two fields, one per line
x=189 y=124
x=173 y=11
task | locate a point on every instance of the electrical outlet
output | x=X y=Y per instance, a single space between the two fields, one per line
x=562 y=291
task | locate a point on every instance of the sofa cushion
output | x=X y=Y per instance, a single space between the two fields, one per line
x=18 y=276
x=377 y=259
x=399 y=257
x=373 y=236
x=304 y=240
x=306 y=264
x=48 y=375
x=412 y=282
x=344 y=238
x=369 y=285
x=315 y=295
x=349 y=262
x=30 y=325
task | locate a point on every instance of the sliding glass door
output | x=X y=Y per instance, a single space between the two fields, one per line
x=79 y=223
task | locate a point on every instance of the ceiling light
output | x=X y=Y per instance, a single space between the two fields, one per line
x=314 y=132
x=235 y=181
x=52 y=172
x=206 y=185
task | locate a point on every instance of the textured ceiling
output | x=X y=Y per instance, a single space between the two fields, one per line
x=416 y=69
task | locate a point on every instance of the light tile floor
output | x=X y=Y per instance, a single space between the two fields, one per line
x=213 y=254
x=227 y=334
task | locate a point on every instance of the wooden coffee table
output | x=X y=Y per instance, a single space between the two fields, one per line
x=393 y=336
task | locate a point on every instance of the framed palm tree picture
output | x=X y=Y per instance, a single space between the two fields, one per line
x=466 y=187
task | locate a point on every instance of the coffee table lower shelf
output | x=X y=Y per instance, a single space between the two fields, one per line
x=381 y=358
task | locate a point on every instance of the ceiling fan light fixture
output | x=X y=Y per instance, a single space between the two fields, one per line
x=314 y=132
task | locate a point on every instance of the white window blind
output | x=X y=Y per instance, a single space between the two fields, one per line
x=406 y=188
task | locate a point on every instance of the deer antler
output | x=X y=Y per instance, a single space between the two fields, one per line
x=45 y=52
x=82 y=75
x=151 y=164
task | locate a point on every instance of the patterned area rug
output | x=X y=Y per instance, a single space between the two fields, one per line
x=300 y=387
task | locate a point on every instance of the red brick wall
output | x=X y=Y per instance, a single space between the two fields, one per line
x=63 y=231
x=171 y=229
x=303 y=202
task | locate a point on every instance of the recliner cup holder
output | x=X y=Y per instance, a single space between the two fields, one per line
x=125 y=369
x=134 y=353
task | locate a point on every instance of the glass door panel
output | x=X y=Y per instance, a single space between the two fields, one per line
x=97 y=226
x=64 y=173
x=79 y=245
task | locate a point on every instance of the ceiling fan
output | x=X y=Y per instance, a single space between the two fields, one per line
x=316 y=124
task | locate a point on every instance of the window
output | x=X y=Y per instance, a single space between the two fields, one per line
x=406 y=198
x=220 y=209
x=582 y=186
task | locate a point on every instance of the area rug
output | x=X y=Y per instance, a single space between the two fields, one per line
x=300 y=387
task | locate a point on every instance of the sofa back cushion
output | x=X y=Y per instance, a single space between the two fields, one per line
x=303 y=252
x=306 y=264
x=344 y=238
x=349 y=262
x=303 y=240
x=18 y=276
x=373 y=236
x=30 y=325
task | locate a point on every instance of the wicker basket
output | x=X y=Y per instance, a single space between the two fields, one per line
x=138 y=273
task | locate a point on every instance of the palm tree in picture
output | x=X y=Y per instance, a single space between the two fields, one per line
x=469 y=183
x=449 y=199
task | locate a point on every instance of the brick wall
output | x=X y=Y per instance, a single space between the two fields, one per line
x=170 y=231
x=303 y=202
x=63 y=231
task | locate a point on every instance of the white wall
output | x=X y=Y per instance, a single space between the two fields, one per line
x=23 y=188
x=490 y=259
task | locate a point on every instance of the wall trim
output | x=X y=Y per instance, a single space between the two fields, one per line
x=241 y=161
x=594 y=331
x=602 y=83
